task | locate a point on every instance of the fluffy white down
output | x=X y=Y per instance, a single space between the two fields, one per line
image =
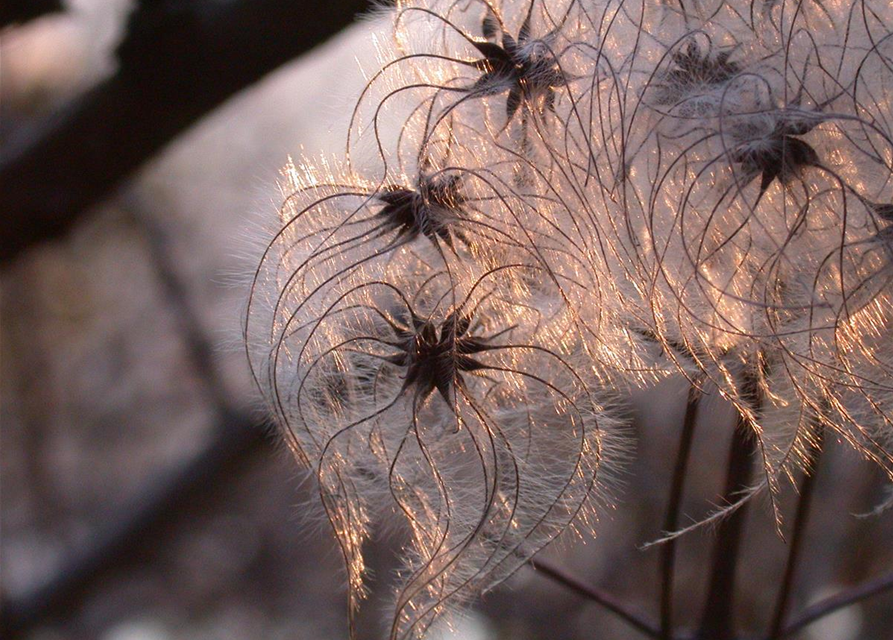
x=545 y=204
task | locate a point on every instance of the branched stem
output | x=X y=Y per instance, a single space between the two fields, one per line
x=668 y=551
x=590 y=592
x=807 y=489
x=718 y=620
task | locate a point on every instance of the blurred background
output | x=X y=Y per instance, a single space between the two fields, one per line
x=143 y=495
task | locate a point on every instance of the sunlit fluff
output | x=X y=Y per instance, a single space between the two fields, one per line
x=545 y=204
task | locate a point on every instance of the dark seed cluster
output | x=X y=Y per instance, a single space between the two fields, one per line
x=428 y=210
x=524 y=67
x=434 y=356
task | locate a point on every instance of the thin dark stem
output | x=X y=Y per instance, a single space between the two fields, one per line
x=668 y=552
x=830 y=605
x=237 y=438
x=609 y=602
x=136 y=526
x=718 y=620
x=807 y=489
x=199 y=346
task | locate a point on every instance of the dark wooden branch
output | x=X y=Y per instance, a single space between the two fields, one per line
x=19 y=11
x=179 y=61
x=602 y=598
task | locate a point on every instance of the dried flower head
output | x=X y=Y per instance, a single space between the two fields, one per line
x=700 y=191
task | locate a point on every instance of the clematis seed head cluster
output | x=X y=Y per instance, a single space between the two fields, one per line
x=545 y=204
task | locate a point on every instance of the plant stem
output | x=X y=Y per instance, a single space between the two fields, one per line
x=590 y=592
x=807 y=489
x=718 y=620
x=668 y=552
x=830 y=605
